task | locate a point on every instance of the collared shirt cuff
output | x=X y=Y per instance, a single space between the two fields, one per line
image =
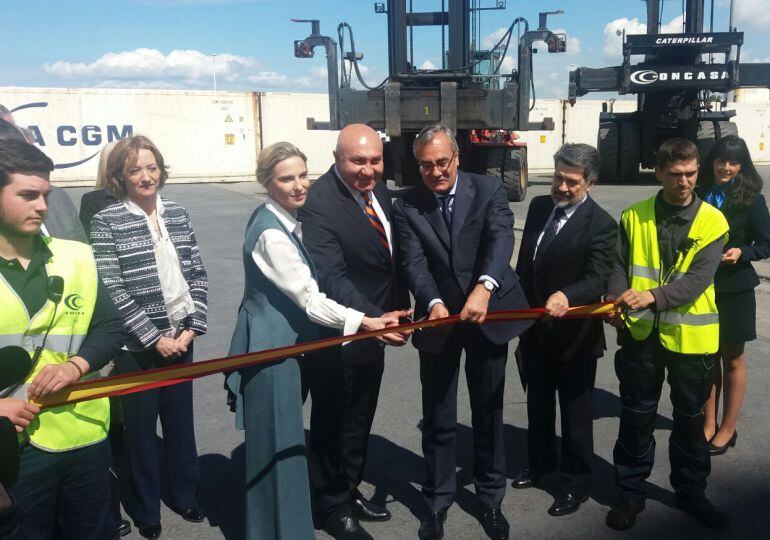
x=353 y=320
x=434 y=302
x=490 y=279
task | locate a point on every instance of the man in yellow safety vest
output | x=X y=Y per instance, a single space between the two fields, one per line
x=668 y=249
x=55 y=307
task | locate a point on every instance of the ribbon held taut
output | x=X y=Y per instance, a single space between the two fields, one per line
x=130 y=383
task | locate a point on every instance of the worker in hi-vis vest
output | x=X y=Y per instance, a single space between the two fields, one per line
x=54 y=307
x=667 y=252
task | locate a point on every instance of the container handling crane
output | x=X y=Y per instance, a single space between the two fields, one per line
x=482 y=106
x=676 y=85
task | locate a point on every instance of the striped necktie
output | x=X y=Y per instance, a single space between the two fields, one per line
x=374 y=220
x=550 y=234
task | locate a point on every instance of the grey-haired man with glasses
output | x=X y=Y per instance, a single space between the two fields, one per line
x=456 y=234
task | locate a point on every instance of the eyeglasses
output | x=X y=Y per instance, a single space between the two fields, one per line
x=442 y=164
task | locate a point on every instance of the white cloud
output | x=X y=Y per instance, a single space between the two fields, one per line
x=152 y=64
x=138 y=85
x=752 y=14
x=673 y=27
x=508 y=65
x=427 y=65
x=321 y=72
x=489 y=41
x=613 y=32
x=268 y=78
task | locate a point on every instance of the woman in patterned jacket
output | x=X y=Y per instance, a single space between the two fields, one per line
x=148 y=258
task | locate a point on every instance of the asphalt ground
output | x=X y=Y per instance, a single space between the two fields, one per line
x=739 y=484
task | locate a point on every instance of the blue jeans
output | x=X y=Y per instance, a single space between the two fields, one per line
x=641 y=367
x=71 y=487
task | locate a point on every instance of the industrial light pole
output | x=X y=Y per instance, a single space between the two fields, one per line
x=214 y=64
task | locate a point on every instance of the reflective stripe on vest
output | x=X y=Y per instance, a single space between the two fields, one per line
x=70 y=426
x=692 y=328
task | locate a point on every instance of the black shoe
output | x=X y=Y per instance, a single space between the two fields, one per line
x=125 y=527
x=151 y=531
x=495 y=524
x=623 y=516
x=524 y=480
x=193 y=515
x=366 y=510
x=566 y=503
x=342 y=524
x=702 y=510
x=432 y=527
x=720 y=450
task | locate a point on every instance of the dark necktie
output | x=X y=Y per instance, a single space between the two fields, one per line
x=374 y=220
x=549 y=234
x=445 y=203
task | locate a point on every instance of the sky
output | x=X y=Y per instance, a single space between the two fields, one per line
x=247 y=45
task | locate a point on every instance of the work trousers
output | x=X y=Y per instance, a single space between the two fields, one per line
x=485 y=372
x=641 y=367
x=65 y=495
x=174 y=406
x=344 y=399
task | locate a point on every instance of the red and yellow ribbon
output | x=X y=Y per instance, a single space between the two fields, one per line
x=131 y=383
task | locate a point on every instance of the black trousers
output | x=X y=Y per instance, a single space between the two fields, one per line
x=574 y=383
x=641 y=367
x=485 y=372
x=344 y=400
x=174 y=406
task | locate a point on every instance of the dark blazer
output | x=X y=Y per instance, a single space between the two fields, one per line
x=578 y=263
x=62 y=218
x=438 y=264
x=354 y=268
x=92 y=203
x=749 y=231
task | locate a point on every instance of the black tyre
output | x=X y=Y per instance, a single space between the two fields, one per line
x=608 y=146
x=516 y=175
x=710 y=131
x=629 y=152
x=509 y=164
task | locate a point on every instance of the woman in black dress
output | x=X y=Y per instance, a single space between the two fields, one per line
x=730 y=182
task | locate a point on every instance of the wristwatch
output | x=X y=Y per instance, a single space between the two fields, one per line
x=488 y=285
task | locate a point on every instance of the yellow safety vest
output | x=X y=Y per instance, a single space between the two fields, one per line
x=69 y=426
x=689 y=329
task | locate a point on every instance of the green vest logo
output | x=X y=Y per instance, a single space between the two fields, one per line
x=74 y=302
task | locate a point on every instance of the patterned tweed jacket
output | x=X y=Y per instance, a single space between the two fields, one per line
x=125 y=259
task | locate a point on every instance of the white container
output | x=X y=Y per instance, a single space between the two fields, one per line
x=753 y=121
x=284 y=118
x=203 y=136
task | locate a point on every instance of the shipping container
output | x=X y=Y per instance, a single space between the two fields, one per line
x=216 y=136
x=203 y=136
x=753 y=121
x=284 y=118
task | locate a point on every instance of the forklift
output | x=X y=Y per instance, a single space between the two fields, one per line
x=680 y=80
x=468 y=93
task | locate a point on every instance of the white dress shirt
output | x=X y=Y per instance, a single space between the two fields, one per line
x=176 y=291
x=568 y=211
x=279 y=260
x=375 y=204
